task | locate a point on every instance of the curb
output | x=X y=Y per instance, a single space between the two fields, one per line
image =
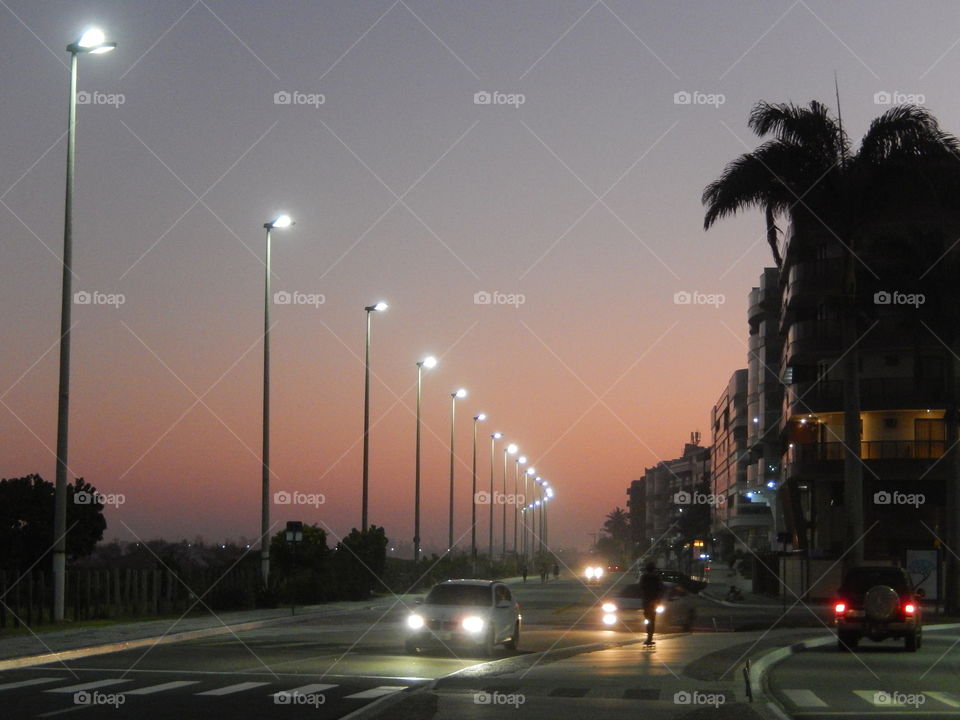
x=93 y=650
x=759 y=667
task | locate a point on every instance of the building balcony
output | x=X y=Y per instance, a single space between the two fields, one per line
x=890 y=393
x=885 y=458
x=812 y=279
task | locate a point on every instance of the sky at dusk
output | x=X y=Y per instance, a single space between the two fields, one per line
x=576 y=187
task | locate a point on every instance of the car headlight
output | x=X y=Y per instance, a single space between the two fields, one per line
x=659 y=609
x=610 y=619
x=589 y=573
x=414 y=621
x=472 y=624
x=598 y=572
x=608 y=607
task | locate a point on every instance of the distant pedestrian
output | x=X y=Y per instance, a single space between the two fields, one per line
x=556 y=571
x=543 y=573
x=524 y=570
x=652 y=588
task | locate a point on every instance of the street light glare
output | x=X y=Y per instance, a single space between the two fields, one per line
x=380 y=306
x=429 y=362
x=481 y=417
x=522 y=459
x=512 y=449
x=461 y=393
x=497 y=435
x=91 y=38
x=531 y=471
x=281 y=221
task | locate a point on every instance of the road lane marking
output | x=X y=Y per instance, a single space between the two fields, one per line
x=376 y=692
x=945 y=698
x=151 y=689
x=25 y=683
x=87 y=686
x=304 y=690
x=230 y=689
x=804 y=698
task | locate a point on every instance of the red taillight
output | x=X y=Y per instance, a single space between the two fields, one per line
x=840 y=608
x=909 y=608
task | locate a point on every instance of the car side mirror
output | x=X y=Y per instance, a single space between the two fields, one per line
x=921 y=593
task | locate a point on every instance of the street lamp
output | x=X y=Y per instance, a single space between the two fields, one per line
x=512 y=450
x=427 y=362
x=378 y=307
x=522 y=460
x=281 y=221
x=92 y=42
x=473 y=495
x=493 y=440
x=524 y=522
x=454 y=396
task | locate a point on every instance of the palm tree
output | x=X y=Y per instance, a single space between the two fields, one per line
x=906 y=170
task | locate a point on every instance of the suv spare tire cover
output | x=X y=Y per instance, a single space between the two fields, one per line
x=881 y=602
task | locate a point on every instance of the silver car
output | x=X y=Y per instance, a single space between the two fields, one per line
x=478 y=614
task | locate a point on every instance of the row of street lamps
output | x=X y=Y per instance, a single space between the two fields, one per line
x=93 y=42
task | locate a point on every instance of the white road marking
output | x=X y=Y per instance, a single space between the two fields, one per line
x=377 y=692
x=151 y=689
x=88 y=686
x=945 y=698
x=305 y=690
x=26 y=683
x=230 y=689
x=804 y=698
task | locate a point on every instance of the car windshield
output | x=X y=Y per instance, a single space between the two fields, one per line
x=859 y=581
x=472 y=595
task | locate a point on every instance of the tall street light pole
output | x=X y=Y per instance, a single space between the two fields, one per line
x=378 y=307
x=493 y=440
x=281 y=221
x=427 y=362
x=473 y=496
x=454 y=396
x=92 y=41
x=512 y=450
x=524 y=520
x=522 y=460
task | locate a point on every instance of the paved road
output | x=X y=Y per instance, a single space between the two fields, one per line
x=878 y=680
x=328 y=666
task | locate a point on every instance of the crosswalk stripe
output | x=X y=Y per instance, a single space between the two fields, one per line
x=305 y=690
x=87 y=686
x=376 y=692
x=27 y=683
x=230 y=689
x=151 y=689
x=945 y=698
x=885 y=699
x=804 y=698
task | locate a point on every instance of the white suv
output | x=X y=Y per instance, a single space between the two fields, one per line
x=480 y=614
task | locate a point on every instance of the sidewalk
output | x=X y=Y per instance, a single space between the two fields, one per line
x=67 y=643
x=717 y=592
